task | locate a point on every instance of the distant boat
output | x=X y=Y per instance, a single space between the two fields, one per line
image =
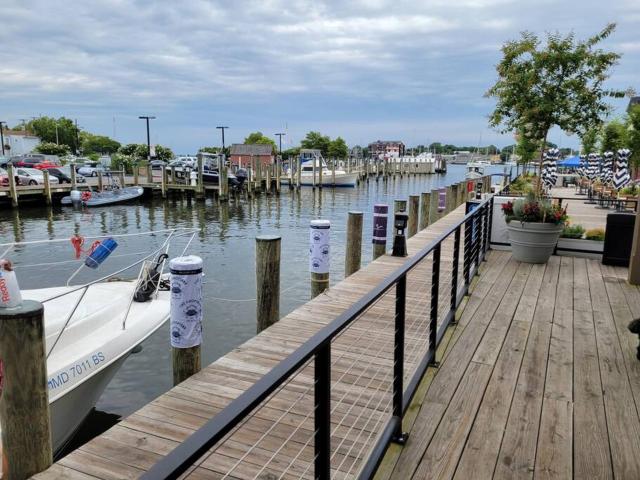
x=309 y=160
x=100 y=199
x=475 y=170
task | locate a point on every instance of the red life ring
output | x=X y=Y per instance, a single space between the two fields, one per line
x=86 y=196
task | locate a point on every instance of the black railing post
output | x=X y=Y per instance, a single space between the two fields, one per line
x=322 y=417
x=478 y=237
x=467 y=251
x=454 y=273
x=435 y=284
x=398 y=359
x=490 y=223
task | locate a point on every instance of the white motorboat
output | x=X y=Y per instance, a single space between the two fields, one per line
x=311 y=162
x=91 y=329
x=475 y=170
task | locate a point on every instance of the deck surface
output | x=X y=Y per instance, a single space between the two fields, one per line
x=276 y=441
x=540 y=380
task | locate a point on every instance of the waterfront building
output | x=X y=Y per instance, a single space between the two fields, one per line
x=18 y=142
x=386 y=149
x=241 y=154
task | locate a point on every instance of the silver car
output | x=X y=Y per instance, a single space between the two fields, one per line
x=33 y=176
x=92 y=170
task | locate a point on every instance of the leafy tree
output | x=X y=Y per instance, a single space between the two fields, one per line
x=129 y=149
x=213 y=150
x=139 y=151
x=259 y=138
x=45 y=128
x=633 y=133
x=291 y=153
x=317 y=141
x=556 y=84
x=589 y=141
x=338 y=148
x=51 y=148
x=526 y=148
x=614 y=136
x=98 y=144
x=162 y=153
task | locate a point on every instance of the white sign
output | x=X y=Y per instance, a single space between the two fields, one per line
x=186 y=301
x=319 y=246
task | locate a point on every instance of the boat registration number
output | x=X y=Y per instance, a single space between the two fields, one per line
x=76 y=370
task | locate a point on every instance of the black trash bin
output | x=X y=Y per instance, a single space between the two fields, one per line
x=618 y=239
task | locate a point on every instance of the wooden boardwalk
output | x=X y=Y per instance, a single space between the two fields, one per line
x=276 y=441
x=539 y=379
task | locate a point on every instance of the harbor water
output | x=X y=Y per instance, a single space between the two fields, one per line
x=225 y=240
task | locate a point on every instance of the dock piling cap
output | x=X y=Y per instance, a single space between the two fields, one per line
x=186 y=263
x=320 y=224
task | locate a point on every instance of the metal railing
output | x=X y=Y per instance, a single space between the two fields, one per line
x=477 y=233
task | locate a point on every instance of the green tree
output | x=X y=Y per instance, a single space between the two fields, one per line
x=259 y=138
x=589 y=140
x=559 y=84
x=98 y=144
x=338 y=148
x=163 y=153
x=614 y=136
x=317 y=141
x=526 y=148
x=51 y=148
x=291 y=153
x=129 y=149
x=45 y=129
x=633 y=135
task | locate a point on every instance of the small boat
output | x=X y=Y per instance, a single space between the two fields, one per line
x=311 y=162
x=91 y=329
x=475 y=170
x=106 y=197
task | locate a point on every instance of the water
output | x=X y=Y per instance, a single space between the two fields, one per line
x=226 y=242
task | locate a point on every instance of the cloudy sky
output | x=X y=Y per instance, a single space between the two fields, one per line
x=362 y=69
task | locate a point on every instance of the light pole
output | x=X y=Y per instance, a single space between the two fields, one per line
x=147 y=118
x=2 y=136
x=222 y=129
x=279 y=159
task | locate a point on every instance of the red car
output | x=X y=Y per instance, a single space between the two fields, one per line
x=45 y=165
x=4 y=178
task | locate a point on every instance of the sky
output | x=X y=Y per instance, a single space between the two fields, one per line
x=361 y=69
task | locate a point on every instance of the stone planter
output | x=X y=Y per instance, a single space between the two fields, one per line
x=533 y=242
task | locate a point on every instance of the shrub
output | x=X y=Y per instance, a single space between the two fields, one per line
x=573 y=231
x=536 y=211
x=631 y=190
x=595 y=234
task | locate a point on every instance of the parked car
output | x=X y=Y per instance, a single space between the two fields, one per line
x=64 y=175
x=3 y=161
x=67 y=171
x=32 y=176
x=47 y=164
x=4 y=178
x=92 y=170
x=157 y=164
x=26 y=162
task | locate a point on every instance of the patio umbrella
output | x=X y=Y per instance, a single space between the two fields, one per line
x=593 y=167
x=607 y=167
x=622 y=177
x=582 y=168
x=549 y=167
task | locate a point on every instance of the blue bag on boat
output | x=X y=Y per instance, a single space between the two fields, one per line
x=101 y=252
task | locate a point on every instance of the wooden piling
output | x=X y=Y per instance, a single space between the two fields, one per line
x=223 y=182
x=173 y=175
x=414 y=209
x=72 y=170
x=353 y=251
x=278 y=173
x=24 y=404
x=319 y=256
x=267 y=280
x=200 y=180
x=163 y=185
x=185 y=362
x=380 y=216
x=100 y=182
x=320 y=175
x=333 y=172
x=149 y=174
x=268 y=180
x=121 y=176
x=299 y=174
x=425 y=206
x=454 y=196
x=136 y=175
x=434 y=214
x=47 y=186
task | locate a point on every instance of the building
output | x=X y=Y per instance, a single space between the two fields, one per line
x=241 y=154
x=18 y=142
x=386 y=149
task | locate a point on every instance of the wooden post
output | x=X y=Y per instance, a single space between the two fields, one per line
x=425 y=201
x=278 y=173
x=414 y=210
x=399 y=206
x=163 y=185
x=200 y=179
x=268 y=180
x=258 y=174
x=47 y=186
x=313 y=170
x=454 y=196
x=267 y=280
x=100 y=184
x=173 y=175
x=249 y=182
x=136 y=174
x=121 y=175
x=223 y=182
x=320 y=175
x=353 y=251
x=380 y=214
x=291 y=179
x=13 y=191
x=24 y=404
x=319 y=256
x=401 y=160
x=333 y=172
x=299 y=174
x=434 y=215
x=72 y=170
x=149 y=174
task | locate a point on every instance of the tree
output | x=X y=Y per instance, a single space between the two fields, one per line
x=139 y=151
x=614 y=136
x=338 y=148
x=290 y=153
x=45 y=129
x=557 y=84
x=317 y=141
x=98 y=144
x=129 y=149
x=589 y=140
x=51 y=148
x=526 y=148
x=259 y=138
x=163 y=153
x=633 y=134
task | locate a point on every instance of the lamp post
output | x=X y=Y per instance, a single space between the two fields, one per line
x=2 y=136
x=222 y=129
x=147 y=118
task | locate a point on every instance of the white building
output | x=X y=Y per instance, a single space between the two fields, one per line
x=19 y=143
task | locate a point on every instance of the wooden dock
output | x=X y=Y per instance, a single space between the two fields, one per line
x=277 y=439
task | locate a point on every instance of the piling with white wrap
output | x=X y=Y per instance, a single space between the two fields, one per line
x=186 y=316
x=319 y=255
x=380 y=214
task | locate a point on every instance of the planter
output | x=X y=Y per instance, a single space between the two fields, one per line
x=533 y=242
x=580 y=246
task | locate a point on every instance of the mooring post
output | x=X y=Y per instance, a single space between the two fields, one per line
x=454 y=196
x=299 y=173
x=268 y=179
x=47 y=186
x=425 y=206
x=186 y=316
x=173 y=174
x=100 y=183
x=24 y=404
x=353 y=251
x=72 y=170
x=434 y=215
x=163 y=180
x=320 y=169
x=122 y=184
x=333 y=172
x=200 y=179
x=149 y=174
x=136 y=175
x=267 y=280
x=414 y=210
x=223 y=184
x=380 y=214
x=319 y=256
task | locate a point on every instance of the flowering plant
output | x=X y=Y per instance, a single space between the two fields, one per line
x=534 y=210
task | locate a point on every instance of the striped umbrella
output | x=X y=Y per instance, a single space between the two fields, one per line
x=607 y=167
x=622 y=177
x=593 y=167
x=549 y=174
x=582 y=168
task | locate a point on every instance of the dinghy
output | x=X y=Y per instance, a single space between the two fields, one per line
x=99 y=199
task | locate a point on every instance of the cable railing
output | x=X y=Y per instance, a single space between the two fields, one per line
x=380 y=418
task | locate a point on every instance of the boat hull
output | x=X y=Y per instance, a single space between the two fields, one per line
x=344 y=180
x=108 y=198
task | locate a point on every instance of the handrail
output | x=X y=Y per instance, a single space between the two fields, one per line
x=187 y=453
